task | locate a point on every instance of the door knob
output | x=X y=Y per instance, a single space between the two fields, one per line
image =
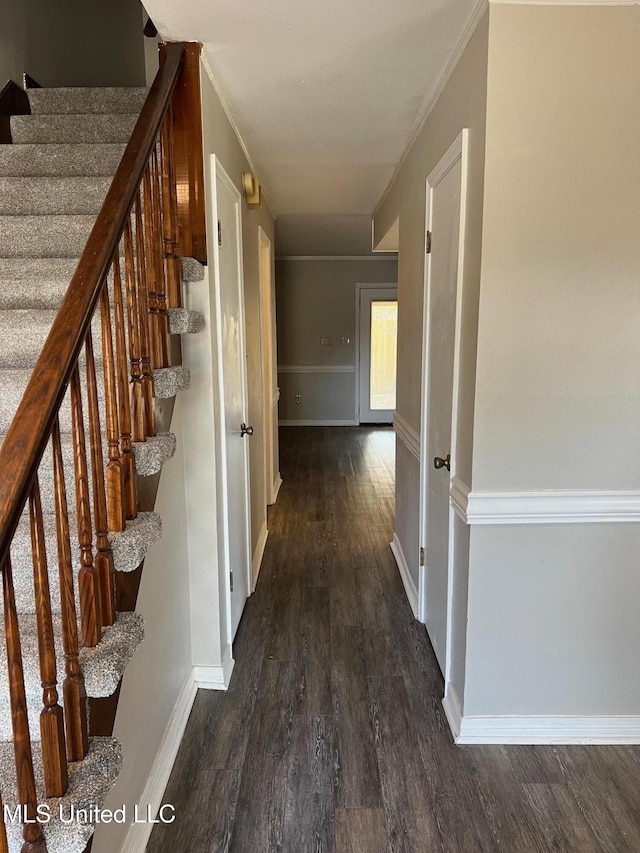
x=245 y=430
x=439 y=462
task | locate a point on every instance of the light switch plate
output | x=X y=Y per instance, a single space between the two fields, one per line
x=326 y=342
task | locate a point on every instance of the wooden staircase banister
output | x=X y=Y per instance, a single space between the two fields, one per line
x=27 y=437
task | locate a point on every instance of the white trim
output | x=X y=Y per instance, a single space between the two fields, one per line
x=409 y=437
x=317 y=422
x=276 y=489
x=215 y=677
x=393 y=256
x=459 y=496
x=224 y=103
x=316 y=368
x=564 y=2
x=553 y=507
x=258 y=555
x=457 y=152
x=427 y=108
x=453 y=711
x=549 y=729
x=403 y=568
x=153 y=793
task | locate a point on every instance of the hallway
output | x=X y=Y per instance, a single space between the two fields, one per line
x=332 y=735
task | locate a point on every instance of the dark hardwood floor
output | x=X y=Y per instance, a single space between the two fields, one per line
x=332 y=735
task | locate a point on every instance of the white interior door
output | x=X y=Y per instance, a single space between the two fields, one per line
x=230 y=322
x=377 y=352
x=445 y=201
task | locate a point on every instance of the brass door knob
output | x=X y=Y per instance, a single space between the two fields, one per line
x=245 y=430
x=439 y=462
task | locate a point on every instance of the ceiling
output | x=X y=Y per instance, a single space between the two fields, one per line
x=325 y=94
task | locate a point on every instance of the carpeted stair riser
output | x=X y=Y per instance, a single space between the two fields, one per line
x=44 y=236
x=87 y=101
x=129 y=548
x=59 y=160
x=89 y=783
x=72 y=128
x=36 y=196
x=102 y=666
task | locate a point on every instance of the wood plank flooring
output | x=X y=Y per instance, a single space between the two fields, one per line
x=332 y=738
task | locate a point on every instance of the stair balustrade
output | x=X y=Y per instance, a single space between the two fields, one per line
x=127 y=279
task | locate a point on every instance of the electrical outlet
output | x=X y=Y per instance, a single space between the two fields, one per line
x=298 y=398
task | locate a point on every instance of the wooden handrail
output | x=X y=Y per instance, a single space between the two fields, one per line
x=27 y=438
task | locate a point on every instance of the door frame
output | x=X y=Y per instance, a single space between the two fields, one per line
x=268 y=345
x=458 y=151
x=360 y=286
x=218 y=173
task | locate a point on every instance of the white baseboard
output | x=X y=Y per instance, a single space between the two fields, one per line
x=453 y=711
x=258 y=555
x=312 y=422
x=215 y=677
x=139 y=833
x=276 y=489
x=549 y=730
x=407 y=580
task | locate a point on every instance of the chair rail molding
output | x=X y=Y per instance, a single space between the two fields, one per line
x=546 y=507
x=406 y=433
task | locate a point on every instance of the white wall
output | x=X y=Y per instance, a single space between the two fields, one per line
x=317 y=298
x=157 y=671
x=553 y=625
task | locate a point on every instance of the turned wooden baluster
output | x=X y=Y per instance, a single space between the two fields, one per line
x=145 y=319
x=169 y=214
x=158 y=245
x=151 y=270
x=73 y=690
x=88 y=578
x=137 y=394
x=114 y=472
x=124 y=402
x=103 y=558
x=27 y=797
x=54 y=750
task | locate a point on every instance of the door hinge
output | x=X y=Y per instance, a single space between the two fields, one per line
x=422 y=557
x=428 y=241
x=231 y=580
x=219 y=233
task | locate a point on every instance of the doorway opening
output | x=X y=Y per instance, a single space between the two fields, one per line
x=270 y=390
x=376 y=352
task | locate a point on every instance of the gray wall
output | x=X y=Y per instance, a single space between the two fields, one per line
x=317 y=298
x=72 y=43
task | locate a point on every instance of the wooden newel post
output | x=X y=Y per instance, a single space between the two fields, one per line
x=188 y=158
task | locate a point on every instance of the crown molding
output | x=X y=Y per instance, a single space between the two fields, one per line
x=392 y=257
x=427 y=108
x=234 y=125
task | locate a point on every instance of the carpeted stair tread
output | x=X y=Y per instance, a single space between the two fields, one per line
x=168 y=381
x=22 y=334
x=192 y=270
x=73 y=128
x=129 y=548
x=77 y=100
x=61 y=159
x=102 y=666
x=90 y=781
x=60 y=236
x=34 y=282
x=37 y=196
x=183 y=322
